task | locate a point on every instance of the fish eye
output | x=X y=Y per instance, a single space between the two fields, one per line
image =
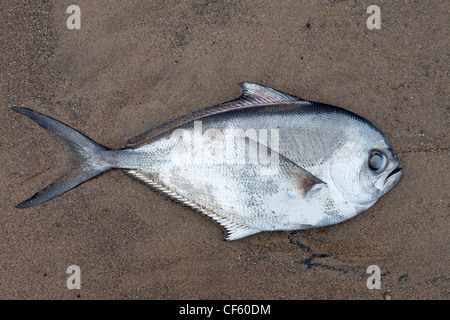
x=377 y=161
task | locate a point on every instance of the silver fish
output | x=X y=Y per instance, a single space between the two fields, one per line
x=265 y=161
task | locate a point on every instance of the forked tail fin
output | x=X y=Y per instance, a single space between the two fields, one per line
x=85 y=161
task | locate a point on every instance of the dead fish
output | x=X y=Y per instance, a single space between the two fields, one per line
x=265 y=161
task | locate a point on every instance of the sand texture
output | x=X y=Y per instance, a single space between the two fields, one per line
x=137 y=64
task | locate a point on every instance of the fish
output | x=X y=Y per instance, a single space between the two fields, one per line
x=264 y=161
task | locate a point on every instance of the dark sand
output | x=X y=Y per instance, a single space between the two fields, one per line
x=136 y=64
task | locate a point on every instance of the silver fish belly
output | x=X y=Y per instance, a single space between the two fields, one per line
x=265 y=161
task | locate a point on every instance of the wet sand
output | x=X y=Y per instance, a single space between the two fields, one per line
x=137 y=64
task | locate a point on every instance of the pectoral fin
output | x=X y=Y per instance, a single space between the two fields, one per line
x=302 y=178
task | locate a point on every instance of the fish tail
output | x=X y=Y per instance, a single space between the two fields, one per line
x=85 y=161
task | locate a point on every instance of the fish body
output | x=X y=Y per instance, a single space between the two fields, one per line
x=265 y=161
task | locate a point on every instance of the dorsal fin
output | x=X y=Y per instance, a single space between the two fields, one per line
x=255 y=94
x=252 y=95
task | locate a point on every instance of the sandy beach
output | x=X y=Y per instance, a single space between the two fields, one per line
x=135 y=64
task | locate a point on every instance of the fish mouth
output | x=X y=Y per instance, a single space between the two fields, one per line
x=394 y=173
x=392 y=178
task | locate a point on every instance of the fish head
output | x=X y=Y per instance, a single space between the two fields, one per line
x=366 y=167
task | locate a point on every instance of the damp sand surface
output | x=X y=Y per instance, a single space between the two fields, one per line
x=137 y=64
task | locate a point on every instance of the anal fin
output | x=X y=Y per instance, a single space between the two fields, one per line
x=236 y=232
x=233 y=229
